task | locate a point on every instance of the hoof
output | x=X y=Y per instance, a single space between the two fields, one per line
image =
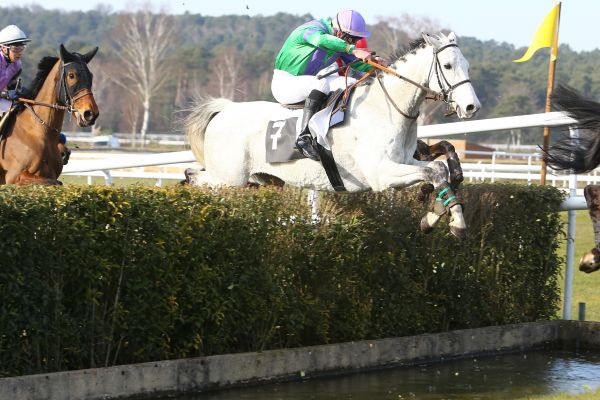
x=425 y=227
x=189 y=174
x=590 y=262
x=459 y=233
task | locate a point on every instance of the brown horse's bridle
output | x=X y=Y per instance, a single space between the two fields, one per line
x=71 y=94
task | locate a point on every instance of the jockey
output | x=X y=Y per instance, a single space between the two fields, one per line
x=310 y=48
x=12 y=43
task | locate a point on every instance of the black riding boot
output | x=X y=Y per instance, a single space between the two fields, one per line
x=305 y=142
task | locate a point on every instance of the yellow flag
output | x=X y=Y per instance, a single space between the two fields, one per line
x=545 y=36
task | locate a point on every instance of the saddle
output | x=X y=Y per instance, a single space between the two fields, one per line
x=282 y=130
x=7 y=120
x=281 y=135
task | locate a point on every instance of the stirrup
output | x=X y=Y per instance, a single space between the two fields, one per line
x=304 y=143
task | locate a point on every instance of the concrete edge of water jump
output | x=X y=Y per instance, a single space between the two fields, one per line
x=213 y=372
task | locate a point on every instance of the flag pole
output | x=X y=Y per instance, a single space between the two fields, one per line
x=549 y=89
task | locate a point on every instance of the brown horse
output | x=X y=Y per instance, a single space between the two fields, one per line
x=30 y=151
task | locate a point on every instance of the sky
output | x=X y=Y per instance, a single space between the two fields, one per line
x=512 y=21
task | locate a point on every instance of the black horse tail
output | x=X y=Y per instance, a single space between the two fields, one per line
x=582 y=154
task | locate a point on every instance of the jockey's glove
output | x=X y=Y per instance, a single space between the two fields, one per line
x=9 y=95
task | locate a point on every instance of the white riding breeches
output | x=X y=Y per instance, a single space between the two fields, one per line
x=290 y=89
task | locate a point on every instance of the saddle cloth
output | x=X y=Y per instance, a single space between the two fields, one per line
x=283 y=129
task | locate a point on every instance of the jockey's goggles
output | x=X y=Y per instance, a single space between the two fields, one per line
x=17 y=48
x=350 y=39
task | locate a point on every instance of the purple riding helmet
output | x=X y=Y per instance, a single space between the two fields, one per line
x=351 y=23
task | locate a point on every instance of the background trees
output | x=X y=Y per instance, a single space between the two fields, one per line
x=142 y=41
x=151 y=65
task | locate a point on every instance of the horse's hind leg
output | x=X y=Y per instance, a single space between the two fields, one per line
x=590 y=261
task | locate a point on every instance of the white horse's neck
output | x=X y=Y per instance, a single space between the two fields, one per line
x=415 y=66
x=393 y=135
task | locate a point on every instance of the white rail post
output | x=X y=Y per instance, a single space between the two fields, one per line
x=493 y=167
x=312 y=200
x=529 y=170
x=568 y=296
x=107 y=176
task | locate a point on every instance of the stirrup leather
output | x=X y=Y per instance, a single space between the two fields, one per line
x=305 y=143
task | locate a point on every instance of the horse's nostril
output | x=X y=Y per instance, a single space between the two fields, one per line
x=88 y=115
x=470 y=108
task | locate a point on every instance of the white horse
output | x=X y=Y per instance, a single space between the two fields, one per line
x=373 y=149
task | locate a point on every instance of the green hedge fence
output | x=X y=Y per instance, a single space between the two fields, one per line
x=98 y=276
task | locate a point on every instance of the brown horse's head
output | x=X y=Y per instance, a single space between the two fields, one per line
x=76 y=86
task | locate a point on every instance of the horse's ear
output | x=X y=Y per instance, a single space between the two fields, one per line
x=65 y=56
x=87 y=57
x=452 y=38
x=431 y=40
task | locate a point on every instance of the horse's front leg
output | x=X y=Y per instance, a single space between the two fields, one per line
x=27 y=178
x=392 y=174
x=424 y=152
x=590 y=261
x=446 y=200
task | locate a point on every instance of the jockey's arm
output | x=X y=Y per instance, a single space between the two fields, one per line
x=332 y=43
x=8 y=74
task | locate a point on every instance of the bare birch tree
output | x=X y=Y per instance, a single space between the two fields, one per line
x=227 y=73
x=142 y=43
x=396 y=33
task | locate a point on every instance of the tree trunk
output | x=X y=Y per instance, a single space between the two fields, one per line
x=145 y=120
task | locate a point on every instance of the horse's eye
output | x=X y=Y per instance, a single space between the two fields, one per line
x=71 y=75
x=447 y=66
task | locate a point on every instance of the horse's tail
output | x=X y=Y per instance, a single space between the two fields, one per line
x=582 y=154
x=202 y=112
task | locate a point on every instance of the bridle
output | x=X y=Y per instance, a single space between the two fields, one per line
x=446 y=87
x=444 y=84
x=67 y=96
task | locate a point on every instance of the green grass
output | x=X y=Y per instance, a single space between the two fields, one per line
x=588 y=395
x=98 y=180
x=585 y=286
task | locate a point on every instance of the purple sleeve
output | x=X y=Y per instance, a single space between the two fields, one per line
x=7 y=73
x=347 y=58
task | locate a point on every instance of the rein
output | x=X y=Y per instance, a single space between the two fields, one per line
x=37 y=117
x=29 y=103
x=444 y=95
